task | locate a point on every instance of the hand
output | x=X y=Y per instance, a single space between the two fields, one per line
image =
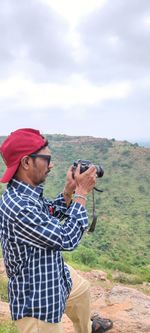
x=70 y=185
x=86 y=180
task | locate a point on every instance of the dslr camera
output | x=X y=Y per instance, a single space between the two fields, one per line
x=85 y=164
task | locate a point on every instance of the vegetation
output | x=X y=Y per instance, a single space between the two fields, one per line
x=8 y=327
x=3 y=289
x=121 y=239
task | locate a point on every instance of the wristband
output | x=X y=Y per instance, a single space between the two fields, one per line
x=80 y=196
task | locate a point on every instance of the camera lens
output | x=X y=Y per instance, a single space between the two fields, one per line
x=99 y=171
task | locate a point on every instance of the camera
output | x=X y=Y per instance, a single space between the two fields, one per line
x=85 y=164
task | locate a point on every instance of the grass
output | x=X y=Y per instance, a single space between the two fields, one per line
x=8 y=327
x=3 y=289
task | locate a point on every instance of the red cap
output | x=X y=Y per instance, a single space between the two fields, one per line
x=18 y=144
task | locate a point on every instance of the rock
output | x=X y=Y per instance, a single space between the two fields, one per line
x=99 y=275
x=129 y=309
x=95 y=275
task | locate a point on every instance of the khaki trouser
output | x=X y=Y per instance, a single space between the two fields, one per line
x=77 y=309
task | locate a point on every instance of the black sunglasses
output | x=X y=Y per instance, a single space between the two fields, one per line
x=45 y=157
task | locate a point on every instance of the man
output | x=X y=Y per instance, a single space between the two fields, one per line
x=33 y=237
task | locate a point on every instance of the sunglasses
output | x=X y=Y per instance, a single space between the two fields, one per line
x=45 y=157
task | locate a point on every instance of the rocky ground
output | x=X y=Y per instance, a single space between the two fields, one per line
x=128 y=307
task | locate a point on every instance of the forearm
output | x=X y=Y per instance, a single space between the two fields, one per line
x=79 y=195
x=67 y=194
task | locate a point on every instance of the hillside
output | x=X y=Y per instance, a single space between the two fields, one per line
x=121 y=239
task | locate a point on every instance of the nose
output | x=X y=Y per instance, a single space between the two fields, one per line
x=51 y=165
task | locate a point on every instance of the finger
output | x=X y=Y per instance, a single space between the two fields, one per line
x=91 y=170
x=78 y=169
x=71 y=168
x=76 y=172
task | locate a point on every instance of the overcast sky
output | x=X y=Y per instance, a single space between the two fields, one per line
x=76 y=67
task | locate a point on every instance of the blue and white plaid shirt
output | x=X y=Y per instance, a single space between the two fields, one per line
x=32 y=238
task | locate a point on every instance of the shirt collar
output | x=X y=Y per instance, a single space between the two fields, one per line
x=26 y=189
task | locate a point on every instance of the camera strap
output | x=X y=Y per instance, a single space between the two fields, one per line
x=94 y=221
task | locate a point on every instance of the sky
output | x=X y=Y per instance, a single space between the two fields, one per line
x=76 y=67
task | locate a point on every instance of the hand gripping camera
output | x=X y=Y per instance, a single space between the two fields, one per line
x=85 y=164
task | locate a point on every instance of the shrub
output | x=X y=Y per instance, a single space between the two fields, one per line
x=126 y=152
x=141 y=189
x=128 y=279
x=85 y=256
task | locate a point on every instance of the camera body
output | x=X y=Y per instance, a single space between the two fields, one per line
x=85 y=164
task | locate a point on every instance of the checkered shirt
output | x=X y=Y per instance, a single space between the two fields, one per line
x=33 y=237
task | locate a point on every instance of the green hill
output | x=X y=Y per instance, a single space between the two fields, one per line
x=121 y=240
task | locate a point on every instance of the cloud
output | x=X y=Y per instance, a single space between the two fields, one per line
x=75 y=92
x=34 y=41
x=87 y=79
x=116 y=40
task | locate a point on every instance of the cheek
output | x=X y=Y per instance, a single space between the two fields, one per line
x=36 y=172
x=42 y=169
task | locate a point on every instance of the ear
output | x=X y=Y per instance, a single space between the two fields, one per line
x=25 y=162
